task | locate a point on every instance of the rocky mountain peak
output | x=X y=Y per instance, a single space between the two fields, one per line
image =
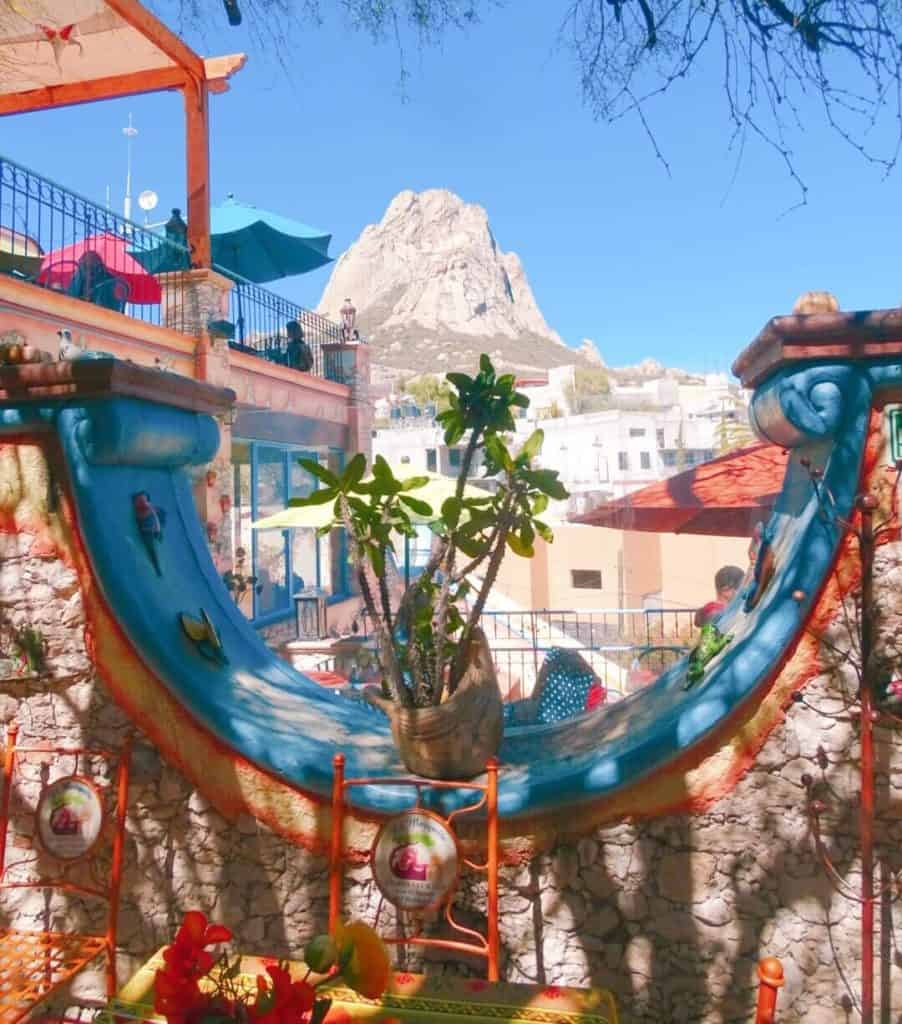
x=433 y=290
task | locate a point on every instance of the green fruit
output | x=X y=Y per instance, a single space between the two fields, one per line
x=321 y=954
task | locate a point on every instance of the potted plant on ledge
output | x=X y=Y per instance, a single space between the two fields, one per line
x=439 y=685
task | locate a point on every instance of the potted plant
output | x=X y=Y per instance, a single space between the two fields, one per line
x=439 y=686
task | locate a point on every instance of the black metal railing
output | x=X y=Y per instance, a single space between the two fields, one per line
x=277 y=329
x=56 y=239
x=59 y=240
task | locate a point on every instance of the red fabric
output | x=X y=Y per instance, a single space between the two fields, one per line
x=726 y=497
x=707 y=613
x=58 y=267
x=596 y=695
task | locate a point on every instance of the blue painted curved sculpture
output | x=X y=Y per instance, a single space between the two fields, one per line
x=283 y=722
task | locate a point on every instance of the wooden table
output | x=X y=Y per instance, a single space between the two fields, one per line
x=412 y=998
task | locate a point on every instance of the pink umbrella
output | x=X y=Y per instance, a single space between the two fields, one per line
x=60 y=266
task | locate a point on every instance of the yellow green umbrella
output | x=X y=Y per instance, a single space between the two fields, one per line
x=312 y=517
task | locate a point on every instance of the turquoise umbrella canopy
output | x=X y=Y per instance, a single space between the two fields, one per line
x=262 y=246
x=249 y=243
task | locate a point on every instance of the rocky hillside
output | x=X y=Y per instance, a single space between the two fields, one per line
x=433 y=290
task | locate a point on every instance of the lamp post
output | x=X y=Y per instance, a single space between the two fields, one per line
x=348 y=319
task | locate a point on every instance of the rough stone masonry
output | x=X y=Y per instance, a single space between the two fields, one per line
x=672 y=914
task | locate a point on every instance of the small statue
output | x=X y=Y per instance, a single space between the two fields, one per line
x=150 y=520
x=888 y=696
x=70 y=351
x=204 y=635
x=710 y=643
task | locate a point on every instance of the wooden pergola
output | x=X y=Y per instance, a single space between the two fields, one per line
x=79 y=51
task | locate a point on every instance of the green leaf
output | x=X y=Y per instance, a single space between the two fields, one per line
x=354 y=471
x=485 y=364
x=381 y=469
x=414 y=483
x=520 y=400
x=543 y=530
x=506 y=382
x=377 y=559
x=421 y=508
x=451 y=508
x=539 y=504
x=320 y=497
x=518 y=547
x=460 y=380
x=533 y=444
x=320 y=472
x=470 y=547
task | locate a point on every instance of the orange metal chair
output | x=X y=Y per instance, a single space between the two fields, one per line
x=34 y=965
x=486 y=796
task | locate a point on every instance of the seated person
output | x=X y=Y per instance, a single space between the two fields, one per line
x=727 y=580
x=299 y=355
x=94 y=283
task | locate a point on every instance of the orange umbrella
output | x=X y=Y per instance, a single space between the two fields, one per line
x=726 y=497
x=60 y=266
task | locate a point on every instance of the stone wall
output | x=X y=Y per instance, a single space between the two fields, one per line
x=672 y=914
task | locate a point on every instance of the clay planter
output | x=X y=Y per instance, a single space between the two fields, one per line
x=455 y=739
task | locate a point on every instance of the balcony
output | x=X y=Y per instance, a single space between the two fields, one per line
x=55 y=239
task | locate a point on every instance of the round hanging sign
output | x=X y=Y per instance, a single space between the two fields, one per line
x=69 y=817
x=415 y=860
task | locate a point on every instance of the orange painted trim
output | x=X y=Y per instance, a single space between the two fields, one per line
x=111 y=87
x=197 y=160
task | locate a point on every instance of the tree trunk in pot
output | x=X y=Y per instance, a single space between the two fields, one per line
x=455 y=739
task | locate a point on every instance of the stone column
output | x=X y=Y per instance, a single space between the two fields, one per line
x=350 y=364
x=196 y=302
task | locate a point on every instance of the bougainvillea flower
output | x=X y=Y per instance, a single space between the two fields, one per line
x=284 y=1001
x=366 y=967
x=176 y=996
x=188 y=955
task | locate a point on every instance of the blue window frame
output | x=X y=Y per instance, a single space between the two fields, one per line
x=287 y=561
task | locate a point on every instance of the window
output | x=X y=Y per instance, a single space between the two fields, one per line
x=637 y=431
x=669 y=458
x=431 y=462
x=660 y=437
x=645 y=460
x=585 y=579
x=455 y=455
x=623 y=461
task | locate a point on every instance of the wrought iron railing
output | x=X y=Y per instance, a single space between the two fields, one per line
x=59 y=240
x=626 y=647
x=55 y=238
x=264 y=325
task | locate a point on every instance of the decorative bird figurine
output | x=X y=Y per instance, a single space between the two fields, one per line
x=150 y=520
x=204 y=635
x=59 y=39
x=233 y=12
x=711 y=642
x=71 y=350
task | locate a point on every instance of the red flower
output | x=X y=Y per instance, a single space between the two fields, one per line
x=285 y=1002
x=176 y=992
x=552 y=992
x=477 y=985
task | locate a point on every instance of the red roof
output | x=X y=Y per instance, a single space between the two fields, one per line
x=726 y=497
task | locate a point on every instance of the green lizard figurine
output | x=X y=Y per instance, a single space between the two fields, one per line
x=710 y=644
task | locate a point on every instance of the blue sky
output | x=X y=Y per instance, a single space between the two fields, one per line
x=685 y=268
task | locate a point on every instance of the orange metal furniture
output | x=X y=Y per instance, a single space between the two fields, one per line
x=34 y=965
x=473 y=942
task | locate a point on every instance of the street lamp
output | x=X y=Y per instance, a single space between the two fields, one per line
x=348 y=319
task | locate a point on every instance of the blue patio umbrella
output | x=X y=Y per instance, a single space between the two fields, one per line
x=262 y=246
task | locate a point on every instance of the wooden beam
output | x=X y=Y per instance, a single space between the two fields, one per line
x=156 y=32
x=220 y=70
x=88 y=91
x=197 y=155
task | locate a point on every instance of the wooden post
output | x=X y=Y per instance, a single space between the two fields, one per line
x=491 y=769
x=122 y=777
x=9 y=759
x=338 y=799
x=770 y=981
x=197 y=155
